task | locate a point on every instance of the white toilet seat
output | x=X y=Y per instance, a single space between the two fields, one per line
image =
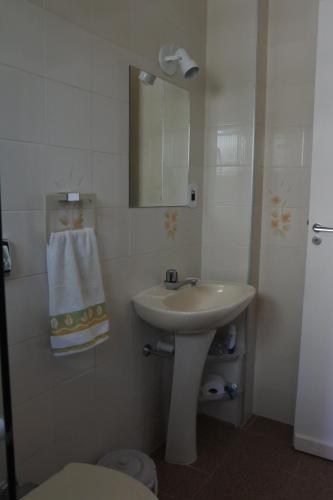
x=90 y=482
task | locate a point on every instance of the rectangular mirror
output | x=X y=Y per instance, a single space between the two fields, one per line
x=159 y=141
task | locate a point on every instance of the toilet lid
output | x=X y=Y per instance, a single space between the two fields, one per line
x=87 y=482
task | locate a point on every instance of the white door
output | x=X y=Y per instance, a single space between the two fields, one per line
x=314 y=407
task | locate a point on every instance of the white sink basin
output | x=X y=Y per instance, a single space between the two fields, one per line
x=192 y=314
x=193 y=308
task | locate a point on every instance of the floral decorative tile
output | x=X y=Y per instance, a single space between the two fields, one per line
x=170 y=223
x=280 y=217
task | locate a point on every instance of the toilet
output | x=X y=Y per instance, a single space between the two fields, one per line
x=90 y=482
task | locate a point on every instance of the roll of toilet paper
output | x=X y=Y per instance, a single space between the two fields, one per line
x=213 y=385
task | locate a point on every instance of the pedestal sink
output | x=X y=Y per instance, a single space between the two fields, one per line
x=192 y=313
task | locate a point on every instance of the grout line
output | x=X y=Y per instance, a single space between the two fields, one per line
x=62 y=82
x=63 y=146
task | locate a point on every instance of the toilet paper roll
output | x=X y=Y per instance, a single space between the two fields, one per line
x=213 y=385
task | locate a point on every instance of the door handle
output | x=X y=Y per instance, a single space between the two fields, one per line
x=318 y=228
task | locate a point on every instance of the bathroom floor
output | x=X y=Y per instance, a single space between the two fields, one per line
x=256 y=463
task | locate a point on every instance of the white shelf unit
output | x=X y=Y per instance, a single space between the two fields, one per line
x=226 y=358
x=218 y=397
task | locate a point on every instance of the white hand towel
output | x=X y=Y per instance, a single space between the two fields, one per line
x=77 y=302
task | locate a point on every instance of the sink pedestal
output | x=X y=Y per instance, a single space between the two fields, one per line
x=190 y=356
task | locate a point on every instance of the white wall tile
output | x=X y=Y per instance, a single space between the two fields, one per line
x=144 y=273
x=288 y=146
x=231 y=15
x=227 y=224
x=21 y=176
x=35 y=370
x=146 y=36
x=146 y=230
x=116 y=277
x=290 y=185
x=290 y=105
x=83 y=145
x=22 y=35
x=296 y=232
x=68 y=52
x=113 y=232
x=292 y=62
x=66 y=169
x=292 y=21
x=32 y=370
x=22 y=105
x=111 y=179
x=109 y=125
x=230 y=264
x=234 y=105
x=120 y=427
x=110 y=19
x=229 y=145
x=39 y=466
x=228 y=186
x=188 y=227
x=36 y=416
x=281 y=297
x=27 y=308
x=120 y=341
x=76 y=438
x=110 y=70
x=25 y=230
x=68 y=116
x=40 y=3
x=77 y=11
x=236 y=56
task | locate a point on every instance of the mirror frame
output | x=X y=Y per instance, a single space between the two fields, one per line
x=5 y=384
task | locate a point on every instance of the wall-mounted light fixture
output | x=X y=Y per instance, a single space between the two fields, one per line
x=171 y=56
x=147 y=78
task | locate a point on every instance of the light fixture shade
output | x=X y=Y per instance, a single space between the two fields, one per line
x=188 y=66
x=171 y=56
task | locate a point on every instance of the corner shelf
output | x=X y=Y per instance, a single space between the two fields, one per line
x=219 y=397
x=226 y=358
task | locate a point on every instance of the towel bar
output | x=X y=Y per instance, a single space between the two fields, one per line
x=69 y=210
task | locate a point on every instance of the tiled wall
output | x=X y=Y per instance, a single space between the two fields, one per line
x=229 y=172
x=64 y=126
x=230 y=106
x=289 y=109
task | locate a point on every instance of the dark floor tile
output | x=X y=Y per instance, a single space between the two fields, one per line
x=216 y=432
x=210 y=456
x=179 y=481
x=263 y=451
x=165 y=496
x=310 y=489
x=158 y=454
x=256 y=463
x=320 y=470
x=252 y=483
x=271 y=428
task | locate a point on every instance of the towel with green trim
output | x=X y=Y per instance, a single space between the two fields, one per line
x=78 y=315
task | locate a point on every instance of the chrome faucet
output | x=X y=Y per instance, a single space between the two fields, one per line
x=171 y=280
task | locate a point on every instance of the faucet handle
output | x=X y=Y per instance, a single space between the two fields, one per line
x=171 y=276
